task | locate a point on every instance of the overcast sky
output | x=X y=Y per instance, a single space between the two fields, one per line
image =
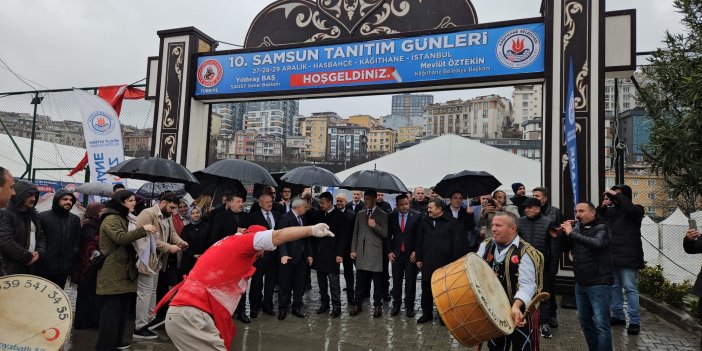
x=79 y=43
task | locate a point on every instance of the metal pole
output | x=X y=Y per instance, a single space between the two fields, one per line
x=36 y=101
x=619 y=165
x=86 y=198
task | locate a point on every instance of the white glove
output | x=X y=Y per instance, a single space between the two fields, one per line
x=321 y=230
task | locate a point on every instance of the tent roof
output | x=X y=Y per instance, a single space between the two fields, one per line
x=698 y=217
x=425 y=164
x=46 y=155
x=647 y=221
x=677 y=218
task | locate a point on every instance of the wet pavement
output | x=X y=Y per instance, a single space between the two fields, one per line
x=363 y=332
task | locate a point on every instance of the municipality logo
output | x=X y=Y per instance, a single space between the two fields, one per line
x=518 y=48
x=101 y=123
x=209 y=73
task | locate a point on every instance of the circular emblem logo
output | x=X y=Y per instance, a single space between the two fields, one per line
x=571 y=110
x=518 y=48
x=101 y=123
x=209 y=73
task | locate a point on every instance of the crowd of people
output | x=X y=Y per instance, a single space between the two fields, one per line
x=147 y=251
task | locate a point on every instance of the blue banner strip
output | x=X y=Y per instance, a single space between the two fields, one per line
x=571 y=134
x=479 y=53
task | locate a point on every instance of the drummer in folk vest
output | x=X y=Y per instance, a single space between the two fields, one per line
x=519 y=267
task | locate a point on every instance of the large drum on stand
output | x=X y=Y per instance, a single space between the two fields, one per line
x=471 y=301
x=35 y=314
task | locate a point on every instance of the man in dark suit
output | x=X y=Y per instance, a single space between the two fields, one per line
x=369 y=231
x=356 y=204
x=260 y=293
x=328 y=254
x=440 y=242
x=277 y=207
x=286 y=197
x=295 y=256
x=348 y=261
x=464 y=216
x=229 y=222
x=382 y=204
x=402 y=237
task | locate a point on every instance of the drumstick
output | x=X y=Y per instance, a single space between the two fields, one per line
x=542 y=296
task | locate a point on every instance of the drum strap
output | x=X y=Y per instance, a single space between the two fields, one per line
x=511 y=284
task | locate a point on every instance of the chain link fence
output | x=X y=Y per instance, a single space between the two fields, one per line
x=41 y=133
x=663 y=241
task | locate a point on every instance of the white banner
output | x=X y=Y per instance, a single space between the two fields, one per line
x=103 y=136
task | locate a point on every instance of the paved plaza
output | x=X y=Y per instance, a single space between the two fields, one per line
x=363 y=332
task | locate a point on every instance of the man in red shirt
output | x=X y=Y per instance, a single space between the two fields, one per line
x=199 y=316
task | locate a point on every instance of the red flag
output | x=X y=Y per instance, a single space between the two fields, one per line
x=114 y=95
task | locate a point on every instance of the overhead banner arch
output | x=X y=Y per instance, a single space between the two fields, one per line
x=502 y=53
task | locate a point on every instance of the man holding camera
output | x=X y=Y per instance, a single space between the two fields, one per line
x=624 y=220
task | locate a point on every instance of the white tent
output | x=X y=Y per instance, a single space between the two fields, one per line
x=697 y=216
x=46 y=155
x=649 y=232
x=426 y=163
x=672 y=232
x=677 y=219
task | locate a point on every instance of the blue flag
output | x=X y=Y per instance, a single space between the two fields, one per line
x=571 y=134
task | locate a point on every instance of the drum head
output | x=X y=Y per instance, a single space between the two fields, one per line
x=489 y=293
x=36 y=314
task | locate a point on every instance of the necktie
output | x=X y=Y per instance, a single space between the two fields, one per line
x=370 y=213
x=299 y=220
x=402 y=228
x=268 y=219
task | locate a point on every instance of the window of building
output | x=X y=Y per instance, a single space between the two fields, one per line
x=635 y=195
x=635 y=182
x=651 y=196
x=651 y=182
x=651 y=210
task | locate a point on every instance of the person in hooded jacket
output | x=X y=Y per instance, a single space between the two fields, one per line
x=87 y=303
x=117 y=278
x=22 y=241
x=624 y=220
x=62 y=232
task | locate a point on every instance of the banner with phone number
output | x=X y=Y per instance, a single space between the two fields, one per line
x=508 y=50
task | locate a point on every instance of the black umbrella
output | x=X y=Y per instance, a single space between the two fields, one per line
x=242 y=170
x=151 y=191
x=95 y=188
x=469 y=183
x=153 y=169
x=311 y=175
x=214 y=185
x=374 y=180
